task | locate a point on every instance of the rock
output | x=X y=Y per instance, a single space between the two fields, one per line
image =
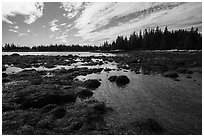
x=84 y=93
x=49 y=65
x=107 y=69
x=171 y=74
x=15 y=54
x=92 y=83
x=112 y=78
x=70 y=56
x=58 y=112
x=188 y=77
x=122 y=80
x=4 y=75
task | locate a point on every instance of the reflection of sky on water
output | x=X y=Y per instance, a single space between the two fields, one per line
x=85 y=54
x=79 y=64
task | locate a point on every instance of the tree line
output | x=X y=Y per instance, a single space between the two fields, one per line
x=149 y=39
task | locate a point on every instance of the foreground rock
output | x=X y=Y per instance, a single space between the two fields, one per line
x=92 y=83
x=171 y=74
x=84 y=93
x=112 y=78
x=122 y=80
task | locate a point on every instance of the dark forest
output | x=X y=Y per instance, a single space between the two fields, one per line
x=149 y=39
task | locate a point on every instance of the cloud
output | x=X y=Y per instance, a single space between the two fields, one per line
x=31 y=11
x=22 y=34
x=72 y=8
x=13 y=30
x=54 y=26
x=63 y=24
x=62 y=38
x=16 y=27
x=105 y=21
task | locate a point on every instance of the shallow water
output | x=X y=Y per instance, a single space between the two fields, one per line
x=176 y=105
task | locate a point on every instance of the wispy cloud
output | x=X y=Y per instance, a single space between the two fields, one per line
x=22 y=34
x=31 y=11
x=72 y=8
x=13 y=30
x=16 y=27
x=54 y=26
x=104 y=21
x=63 y=24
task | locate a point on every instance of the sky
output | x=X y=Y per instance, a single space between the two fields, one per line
x=38 y=23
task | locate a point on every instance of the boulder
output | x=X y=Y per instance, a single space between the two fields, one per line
x=122 y=80
x=171 y=74
x=107 y=69
x=92 y=83
x=84 y=93
x=15 y=54
x=112 y=78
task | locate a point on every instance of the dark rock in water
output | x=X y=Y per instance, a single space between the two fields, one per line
x=58 y=112
x=107 y=69
x=49 y=65
x=188 y=77
x=171 y=74
x=15 y=54
x=150 y=126
x=48 y=108
x=4 y=75
x=112 y=78
x=92 y=83
x=122 y=80
x=70 y=56
x=85 y=93
x=5 y=80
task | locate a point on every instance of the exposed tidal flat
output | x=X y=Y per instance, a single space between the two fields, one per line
x=141 y=92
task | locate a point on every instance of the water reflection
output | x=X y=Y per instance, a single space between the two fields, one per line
x=85 y=54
